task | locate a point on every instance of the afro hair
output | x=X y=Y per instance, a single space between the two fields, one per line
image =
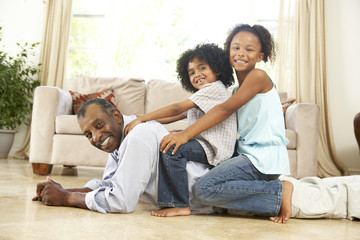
x=214 y=56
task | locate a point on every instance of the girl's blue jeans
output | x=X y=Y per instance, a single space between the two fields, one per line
x=237 y=184
x=173 y=179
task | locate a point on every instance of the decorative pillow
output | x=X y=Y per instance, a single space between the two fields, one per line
x=80 y=98
x=286 y=102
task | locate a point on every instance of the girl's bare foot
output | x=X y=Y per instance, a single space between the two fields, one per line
x=171 y=212
x=285 y=209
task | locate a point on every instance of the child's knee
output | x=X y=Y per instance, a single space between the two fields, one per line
x=169 y=152
x=200 y=191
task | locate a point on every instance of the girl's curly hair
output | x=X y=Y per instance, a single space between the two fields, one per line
x=211 y=54
x=264 y=36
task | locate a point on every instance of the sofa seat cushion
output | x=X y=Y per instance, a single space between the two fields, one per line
x=64 y=152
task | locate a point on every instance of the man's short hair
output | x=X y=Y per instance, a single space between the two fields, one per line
x=106 y=107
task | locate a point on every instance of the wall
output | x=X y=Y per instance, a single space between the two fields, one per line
x=22 y=21
x=342 y=56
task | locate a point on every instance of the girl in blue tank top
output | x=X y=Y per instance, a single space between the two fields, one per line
x=249 y=181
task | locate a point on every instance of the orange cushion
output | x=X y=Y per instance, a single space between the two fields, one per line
x=286 y=102
x=80 y=98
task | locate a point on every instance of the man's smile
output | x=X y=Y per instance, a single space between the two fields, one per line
x=105 y=142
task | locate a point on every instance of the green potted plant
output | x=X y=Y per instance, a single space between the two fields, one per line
x=18 y=81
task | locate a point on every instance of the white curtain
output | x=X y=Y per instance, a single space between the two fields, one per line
x=301 y=69
x=55 y=42
x=54 y=50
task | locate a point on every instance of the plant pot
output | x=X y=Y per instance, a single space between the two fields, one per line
x=6 y=142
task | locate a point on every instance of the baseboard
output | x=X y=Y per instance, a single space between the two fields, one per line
x=354 y=171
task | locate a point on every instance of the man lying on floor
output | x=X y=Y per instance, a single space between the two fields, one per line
x=132 y=167
x=131 y=173
x=333 y=197
x=313 y=197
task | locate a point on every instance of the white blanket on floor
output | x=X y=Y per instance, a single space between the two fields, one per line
x=333 y=197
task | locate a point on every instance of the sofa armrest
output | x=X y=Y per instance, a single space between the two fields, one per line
x=48 y=103
x=304 y=119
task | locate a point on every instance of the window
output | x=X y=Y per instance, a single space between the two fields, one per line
x=143 y=38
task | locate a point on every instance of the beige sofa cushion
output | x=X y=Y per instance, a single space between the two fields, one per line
x=130 y=96
x=76 y=150
x=129 y=93
x=160 y=93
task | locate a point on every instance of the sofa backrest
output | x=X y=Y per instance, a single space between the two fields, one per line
x=129 y=92
x=135 y=96
x=160 y=93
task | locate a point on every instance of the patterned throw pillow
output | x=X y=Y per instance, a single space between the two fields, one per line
x=286 y=102
x=80 y=98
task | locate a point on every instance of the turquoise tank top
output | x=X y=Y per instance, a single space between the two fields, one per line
x=260 y=124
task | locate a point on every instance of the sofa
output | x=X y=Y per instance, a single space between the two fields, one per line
x=56 y=138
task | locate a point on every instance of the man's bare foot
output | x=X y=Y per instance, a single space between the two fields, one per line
x=285 y=209
x=171 y=212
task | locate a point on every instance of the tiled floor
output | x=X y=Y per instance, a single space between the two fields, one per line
x=20 y=218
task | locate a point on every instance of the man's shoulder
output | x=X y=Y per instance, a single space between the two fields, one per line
x=147 y=131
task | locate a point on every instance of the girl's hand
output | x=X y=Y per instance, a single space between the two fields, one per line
x=131 y=125
x=176 y=139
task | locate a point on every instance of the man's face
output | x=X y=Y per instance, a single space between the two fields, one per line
x=103 y=131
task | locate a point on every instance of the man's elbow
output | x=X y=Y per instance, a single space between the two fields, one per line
x=123 y=207
x=113 y=205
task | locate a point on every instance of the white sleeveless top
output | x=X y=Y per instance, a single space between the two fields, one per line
x=262 y=133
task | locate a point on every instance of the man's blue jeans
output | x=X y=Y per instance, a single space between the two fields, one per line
x=173 y=179
x=237 y=184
